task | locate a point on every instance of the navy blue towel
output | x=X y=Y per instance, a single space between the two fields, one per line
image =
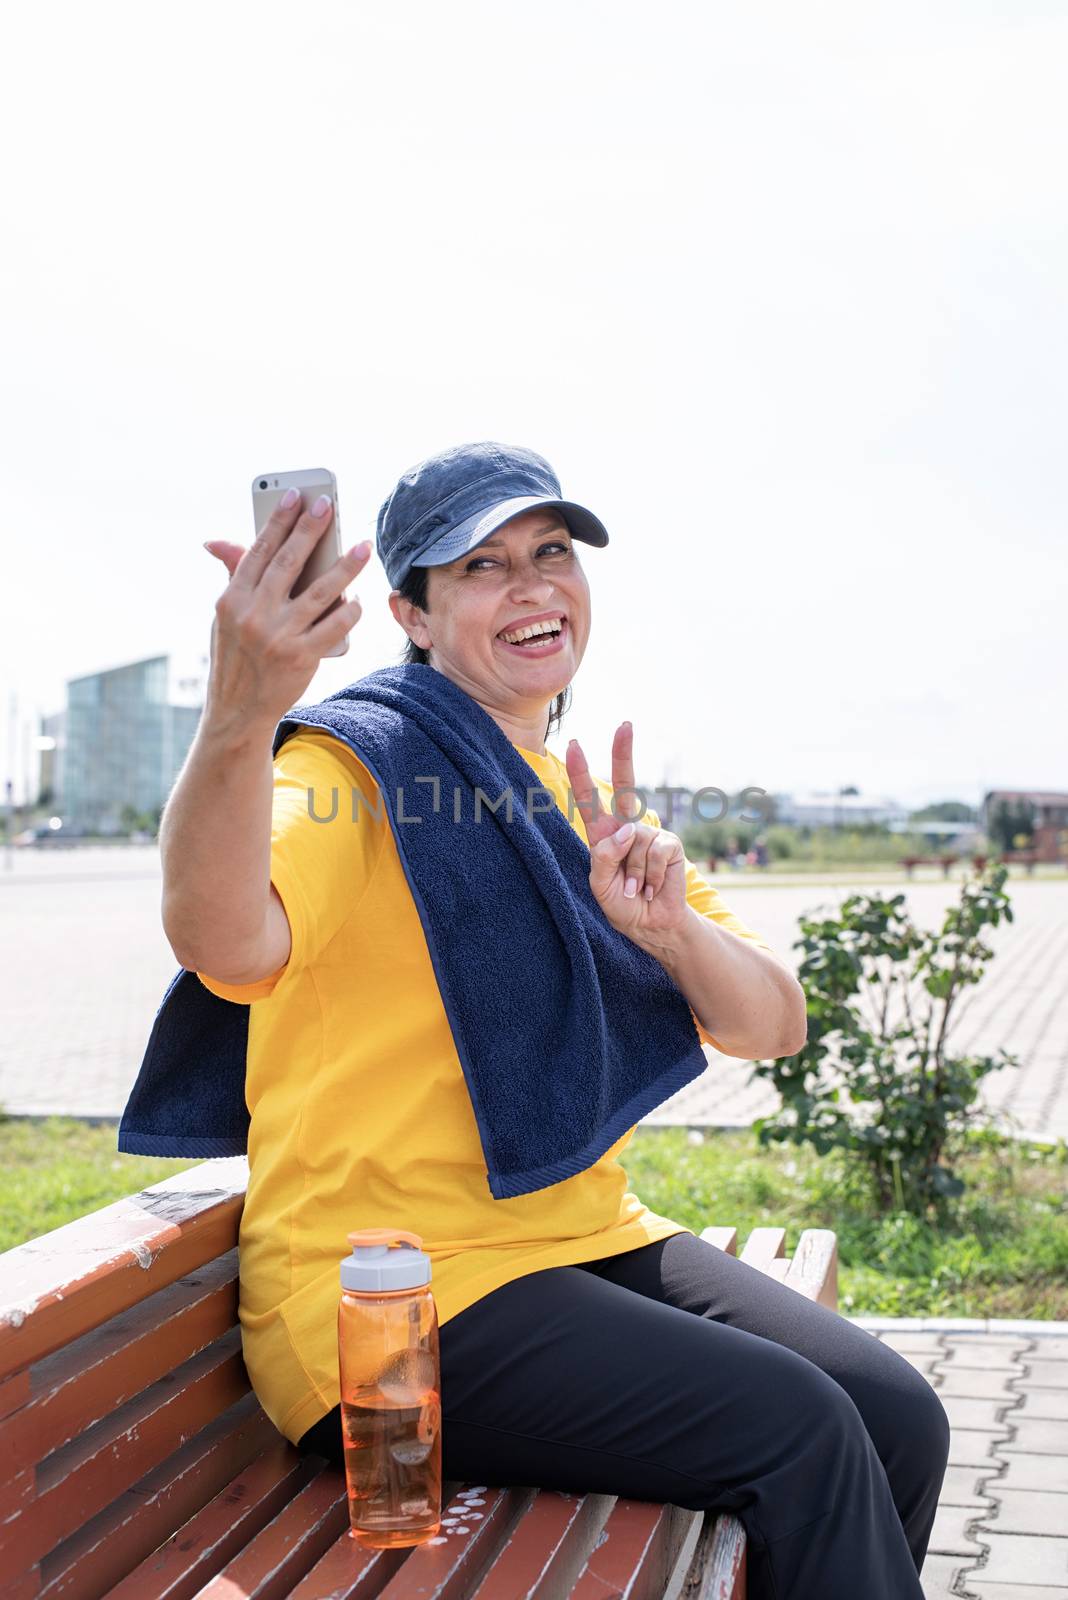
x=567 y=1032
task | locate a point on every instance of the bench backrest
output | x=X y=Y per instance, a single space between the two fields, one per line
x=119 y=1342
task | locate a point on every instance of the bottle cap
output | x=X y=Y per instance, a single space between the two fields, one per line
x=373 y=1264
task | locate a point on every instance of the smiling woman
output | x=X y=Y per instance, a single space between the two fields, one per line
x=413 y=594
x=454 y=1030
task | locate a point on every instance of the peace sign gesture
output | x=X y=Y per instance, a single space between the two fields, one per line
x=637 y=872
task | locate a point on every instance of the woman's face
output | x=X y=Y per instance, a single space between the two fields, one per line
x=526 y=573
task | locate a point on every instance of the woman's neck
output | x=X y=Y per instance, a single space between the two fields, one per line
x=525 y=726
x=528 y=733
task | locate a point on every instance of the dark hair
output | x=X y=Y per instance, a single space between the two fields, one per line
x=414 y=588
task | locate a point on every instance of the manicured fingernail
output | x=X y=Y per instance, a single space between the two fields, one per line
x=623 y=833
x=648 y=891
x=630 y=888
x=289 y=499
x=360 y=552
x=320 y=505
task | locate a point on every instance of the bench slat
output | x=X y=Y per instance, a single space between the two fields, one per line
x=82 y=1478
x=54 y=1289
x=718 y=1570
x=203 y=1545
x=763 y=1246
x=456 y=1565
x=547 y=1547
x=77 y=1386
x=813 y=1269
x=636 y=1553
x=349 y=1572
x=723 y=1238
x=282 y=1552
x=101 y=1552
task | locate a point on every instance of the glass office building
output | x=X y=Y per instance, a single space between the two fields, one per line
x=125 y=743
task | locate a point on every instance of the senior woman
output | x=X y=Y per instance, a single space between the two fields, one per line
x=586 y=1343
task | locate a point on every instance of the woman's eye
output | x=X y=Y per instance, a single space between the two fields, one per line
x=555 y=546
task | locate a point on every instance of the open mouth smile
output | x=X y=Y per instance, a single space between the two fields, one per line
x=543 y=638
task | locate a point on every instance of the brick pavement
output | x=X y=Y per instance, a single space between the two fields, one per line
x=86 y=965
x=1001 y=1530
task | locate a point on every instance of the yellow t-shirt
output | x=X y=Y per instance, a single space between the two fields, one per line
x=360 y=1112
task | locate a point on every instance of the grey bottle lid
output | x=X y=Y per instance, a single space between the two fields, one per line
x=384 y=1258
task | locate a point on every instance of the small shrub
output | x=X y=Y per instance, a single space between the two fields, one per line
x=875 y=1077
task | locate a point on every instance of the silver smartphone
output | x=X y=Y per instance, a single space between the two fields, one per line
x=267 y=489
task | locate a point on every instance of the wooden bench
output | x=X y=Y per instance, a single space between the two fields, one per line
x=945 y=862
x=138 y=1464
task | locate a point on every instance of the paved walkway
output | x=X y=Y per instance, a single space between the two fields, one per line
x=86 y=965
x=1001 y=1531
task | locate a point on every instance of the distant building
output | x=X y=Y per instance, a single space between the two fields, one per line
x=1049 y=818
x=126 y=741
x=962 y=836
x=823 y=810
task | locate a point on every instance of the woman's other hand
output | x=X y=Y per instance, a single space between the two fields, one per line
x=637 y=873
x=265 y=646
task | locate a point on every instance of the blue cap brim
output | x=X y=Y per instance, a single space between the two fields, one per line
x=471 y=532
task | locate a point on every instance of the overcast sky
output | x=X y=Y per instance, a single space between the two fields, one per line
x=779 y=290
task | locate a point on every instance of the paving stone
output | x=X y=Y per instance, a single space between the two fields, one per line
x=1028 y=1511
x=963 y=1486
x=975 y=1447
x=970 y=1353
x=913 y=1343
x=938 y=1575
x=976 y=1413
x=1025 y=1559
x=1051 y=1404
x=1037 y=1438
x=975 y=1383
x=1014 y=1591
x=948 y=1537
x=1034 y=1472
x=1045 y=1374
x=1050 y=1348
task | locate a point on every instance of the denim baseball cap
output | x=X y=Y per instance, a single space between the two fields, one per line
x=450 y=502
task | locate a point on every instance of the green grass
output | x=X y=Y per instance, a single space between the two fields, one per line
x=54 y=1169
x=1006 y=1255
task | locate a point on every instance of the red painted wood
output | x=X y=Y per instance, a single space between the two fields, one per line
x=85 y=1476
x=449 y=1570
x=547 y=1547
x=203 y=1545
x=14 y=1392
x=54 y=1289
x=636 y=1553
x=90 y=1378
x=349 y=1572
x=111 y=1544
x=292 y=1542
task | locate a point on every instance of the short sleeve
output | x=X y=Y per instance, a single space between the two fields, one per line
x=327 y=830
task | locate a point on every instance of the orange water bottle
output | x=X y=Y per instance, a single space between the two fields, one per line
x=390 y=1370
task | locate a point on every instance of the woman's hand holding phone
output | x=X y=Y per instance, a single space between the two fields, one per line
x=265 y=645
